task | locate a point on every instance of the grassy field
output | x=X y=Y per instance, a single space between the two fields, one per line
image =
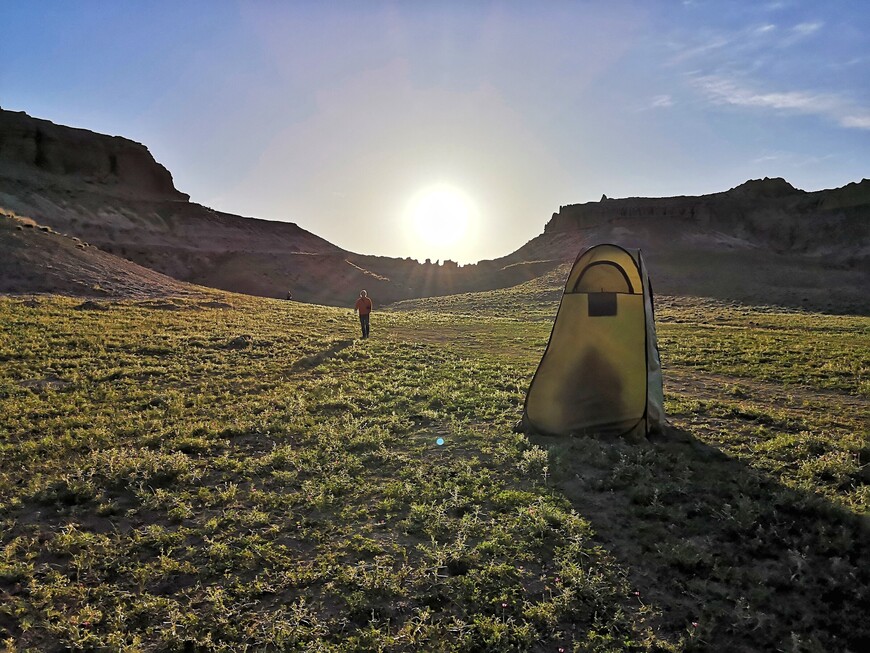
x=245 y=474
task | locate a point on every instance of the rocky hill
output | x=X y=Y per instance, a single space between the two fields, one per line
x=763 y=213
x=43 y=153
x=110 y=192
x=762 y=242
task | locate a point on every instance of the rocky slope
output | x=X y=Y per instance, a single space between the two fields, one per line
x=761 y=242
x=37 y=259
x=765 y=213
x=110 y=192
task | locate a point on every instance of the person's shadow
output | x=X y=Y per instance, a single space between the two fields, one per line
x=730 y=557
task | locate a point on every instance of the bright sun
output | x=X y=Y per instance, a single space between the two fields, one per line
x=440 y=216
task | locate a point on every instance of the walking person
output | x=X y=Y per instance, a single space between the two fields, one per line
x=364 y=308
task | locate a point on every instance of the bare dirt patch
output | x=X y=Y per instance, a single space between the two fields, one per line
x=91 y=306
x=49 y=382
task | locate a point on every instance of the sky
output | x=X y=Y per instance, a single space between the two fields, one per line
x=367 y=122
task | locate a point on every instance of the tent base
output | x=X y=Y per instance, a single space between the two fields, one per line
x=632 y=433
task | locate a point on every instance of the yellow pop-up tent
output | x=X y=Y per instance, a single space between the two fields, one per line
x=601 y=372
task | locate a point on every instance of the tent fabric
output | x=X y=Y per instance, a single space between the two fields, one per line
x=601 y=371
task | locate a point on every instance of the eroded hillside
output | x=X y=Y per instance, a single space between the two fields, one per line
x=110 y=192
x=763 y=242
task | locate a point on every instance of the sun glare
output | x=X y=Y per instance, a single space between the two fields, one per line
x=440 y=217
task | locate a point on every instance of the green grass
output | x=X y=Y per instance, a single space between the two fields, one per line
x=165 y=485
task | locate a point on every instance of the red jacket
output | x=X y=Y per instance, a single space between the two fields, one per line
x=364 y=305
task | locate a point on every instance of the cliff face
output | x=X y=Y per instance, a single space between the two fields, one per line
x=768 y=213
x=40 y=151
x=762 y=242
x=111 y=193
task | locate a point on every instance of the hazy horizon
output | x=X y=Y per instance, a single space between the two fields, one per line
x=365 y=124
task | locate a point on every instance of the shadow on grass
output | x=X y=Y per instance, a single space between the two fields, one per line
x=309 y=362
x=719 y=549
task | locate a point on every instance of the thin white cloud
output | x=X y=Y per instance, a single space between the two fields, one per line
x=764 y=158
x=736 y=44
x=805 y=29
x=687 y=53
x=661 y=102
x=840 y=65
x=829 y=105
x=861 y=121
x=793 y=159
x=800 y=32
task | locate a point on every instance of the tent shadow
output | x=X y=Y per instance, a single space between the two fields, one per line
x=723 y=553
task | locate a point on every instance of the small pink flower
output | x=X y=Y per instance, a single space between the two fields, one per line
x=637 y=593
x=694 y=624
x=504 y=605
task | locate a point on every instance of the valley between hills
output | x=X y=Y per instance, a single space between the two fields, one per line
x=763 y=242
x=188 y=463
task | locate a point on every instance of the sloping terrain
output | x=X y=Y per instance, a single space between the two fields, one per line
x=37 y=259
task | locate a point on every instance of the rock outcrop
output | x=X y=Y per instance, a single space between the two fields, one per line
x=763 y=242
x=40 y=151
x=761 y=213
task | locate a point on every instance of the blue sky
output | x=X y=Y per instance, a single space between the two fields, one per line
x=334 y=115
